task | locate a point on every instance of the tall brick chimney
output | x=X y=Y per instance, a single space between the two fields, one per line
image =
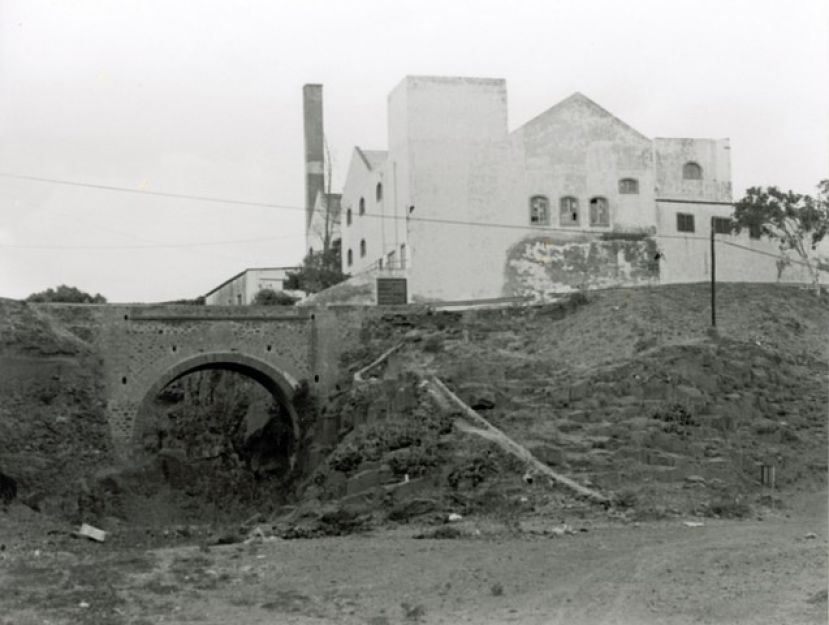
x=314 y=172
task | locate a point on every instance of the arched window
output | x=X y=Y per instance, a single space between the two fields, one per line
x=348 y=217
x=599 y=212
x=362 y=206
x=628 y=185
x=539 y=211
x=691 y=171
x=378 y=191
x=350 y=257
x=569 y=211
x=362 y=248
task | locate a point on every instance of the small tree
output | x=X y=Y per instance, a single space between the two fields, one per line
x=319 y=270
x=797 y=222
x=269 y=297
x=68 y=295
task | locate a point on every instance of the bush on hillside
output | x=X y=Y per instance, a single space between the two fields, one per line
x=269 y=297
x=67 y=295
x=319 y=271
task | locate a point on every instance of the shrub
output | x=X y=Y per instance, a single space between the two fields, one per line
x=346 y=458
x=676 y=417
x=414 y=461
x=626 y=498
x=269 y=297
x=474 y=471
x=68 y=295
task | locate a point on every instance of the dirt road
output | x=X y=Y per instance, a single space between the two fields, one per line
x=759 y=572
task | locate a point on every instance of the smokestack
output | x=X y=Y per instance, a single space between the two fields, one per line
x=314 y=173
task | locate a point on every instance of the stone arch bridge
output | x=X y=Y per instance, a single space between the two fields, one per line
x=144 y=348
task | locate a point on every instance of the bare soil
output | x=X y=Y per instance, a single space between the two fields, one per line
x=765 y=571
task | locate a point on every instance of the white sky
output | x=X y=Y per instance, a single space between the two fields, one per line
x=204 y=97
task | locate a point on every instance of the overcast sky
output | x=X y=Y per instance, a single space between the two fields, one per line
x=203 y=97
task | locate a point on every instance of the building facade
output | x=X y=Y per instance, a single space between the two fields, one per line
x=243 y=287
x=462 y=208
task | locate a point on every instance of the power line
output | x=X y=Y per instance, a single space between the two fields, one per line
x=770 y=254
x=411 y=218
x=180 y=196
x=147 y=246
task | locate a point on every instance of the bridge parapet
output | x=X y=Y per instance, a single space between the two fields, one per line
x=143 y=347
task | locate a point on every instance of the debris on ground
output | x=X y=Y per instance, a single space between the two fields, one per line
x=93 y=533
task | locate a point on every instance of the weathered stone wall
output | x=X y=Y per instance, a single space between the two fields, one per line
x=143 y=348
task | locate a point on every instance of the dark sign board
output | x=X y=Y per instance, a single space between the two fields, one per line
x=391 y=291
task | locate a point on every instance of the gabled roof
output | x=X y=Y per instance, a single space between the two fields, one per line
x=372 y=158
x=579 y=99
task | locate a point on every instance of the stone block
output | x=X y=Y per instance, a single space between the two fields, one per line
x=402 y=491
x=404 y=399
x=548 y=454
x=656 y=389
x=683 y=392
x=368 y=480
x=568 y=426
x=579 y=391
x=478 y=396
x=668 y=442
x=336 y=484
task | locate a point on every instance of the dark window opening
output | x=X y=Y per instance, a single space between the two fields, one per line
x=599 y=212
x=539 y=210
x=348 y=217
x=362 y=206
x=378 y=191
x=569 y=211
x=628 y=186
x=755 y=231
x=350 y=257
x=721 y=225
x=684 y=222
x=362 y=248
x=691 y=171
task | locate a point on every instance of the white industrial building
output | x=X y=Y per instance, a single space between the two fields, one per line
x=461 y=207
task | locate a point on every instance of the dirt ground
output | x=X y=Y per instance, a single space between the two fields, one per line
x=770 y=569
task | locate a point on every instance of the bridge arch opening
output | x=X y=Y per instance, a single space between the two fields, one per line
x=220 y=425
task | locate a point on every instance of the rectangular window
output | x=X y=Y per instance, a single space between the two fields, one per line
x=685 y=222
x=599 y=212
x=755 y=231
x=721 y=225
x=539 y=211
x=569 y=211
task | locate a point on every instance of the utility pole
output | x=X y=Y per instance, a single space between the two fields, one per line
x=713 y=279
